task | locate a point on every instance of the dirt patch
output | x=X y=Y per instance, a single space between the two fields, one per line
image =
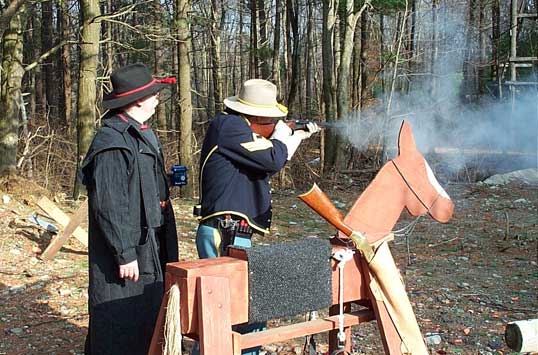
x=466 y=279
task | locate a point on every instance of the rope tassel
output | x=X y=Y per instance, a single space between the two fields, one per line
x=172 y=325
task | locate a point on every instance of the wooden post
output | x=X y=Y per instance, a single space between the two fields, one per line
x=59 y=240
x=333 y=334
x=214 y=322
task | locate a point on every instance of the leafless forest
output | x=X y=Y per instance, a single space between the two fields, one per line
x=463 y=72
x=443 y=64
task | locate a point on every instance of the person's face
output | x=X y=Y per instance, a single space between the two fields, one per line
x=262 y=120
x=149 y=104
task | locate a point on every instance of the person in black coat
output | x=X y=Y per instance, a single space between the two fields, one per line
x=132 y=231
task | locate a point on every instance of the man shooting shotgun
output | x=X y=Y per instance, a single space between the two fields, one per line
x=236 y=164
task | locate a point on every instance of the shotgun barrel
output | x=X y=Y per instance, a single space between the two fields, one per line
x=301 y=124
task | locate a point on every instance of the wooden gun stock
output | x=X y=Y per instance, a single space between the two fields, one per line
x=319 y=202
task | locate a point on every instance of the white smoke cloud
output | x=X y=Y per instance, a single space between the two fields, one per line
x=459 y=134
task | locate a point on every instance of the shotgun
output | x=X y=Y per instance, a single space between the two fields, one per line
x=386 y=281
x=319 y=202
x=266 y=129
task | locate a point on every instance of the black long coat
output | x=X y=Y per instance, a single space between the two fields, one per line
x=126 y=222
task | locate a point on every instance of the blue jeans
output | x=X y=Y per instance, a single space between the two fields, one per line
x=208 y=244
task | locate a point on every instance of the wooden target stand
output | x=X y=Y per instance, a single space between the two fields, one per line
x=208 y=310
x=71 y=226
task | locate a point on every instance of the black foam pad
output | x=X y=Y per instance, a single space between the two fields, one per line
x=288 y=279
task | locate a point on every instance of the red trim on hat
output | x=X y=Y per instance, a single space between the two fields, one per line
x=137 y=89
x=169 y=80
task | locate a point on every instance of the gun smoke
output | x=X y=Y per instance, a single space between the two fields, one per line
x=459 y=133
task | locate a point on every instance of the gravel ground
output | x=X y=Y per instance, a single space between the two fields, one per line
x=466 y=279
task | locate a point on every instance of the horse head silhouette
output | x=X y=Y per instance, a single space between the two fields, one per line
x=406 y=181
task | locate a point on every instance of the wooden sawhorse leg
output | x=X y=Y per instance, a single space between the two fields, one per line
x=214 y=323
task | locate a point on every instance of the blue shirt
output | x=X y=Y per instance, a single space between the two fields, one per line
x=235 y=167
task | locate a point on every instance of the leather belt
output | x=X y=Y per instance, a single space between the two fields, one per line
x=212 y=222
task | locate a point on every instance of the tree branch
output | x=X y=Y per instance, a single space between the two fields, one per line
x=47 y=54
x=11 y=10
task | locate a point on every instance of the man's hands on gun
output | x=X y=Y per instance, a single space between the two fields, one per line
x=129 y=271
x=291 y=138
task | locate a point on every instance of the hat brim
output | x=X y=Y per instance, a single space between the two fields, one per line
x=234 y=104
x=111 y=101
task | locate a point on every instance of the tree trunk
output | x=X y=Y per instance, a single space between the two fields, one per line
x=86 y=100
x=329 y=19
x=8 y=13
x=345 y=62
x=342 y=95
x=184 y=91
x=276 y=47
x=65 y=62
x=242 y=69
x=48 y=64
x=482 y=36
x=158 y=59
x=309 y=57
x=364 y=56
x=496 y=39
x=293 y=21
x=10 y=97
x=356 y=69
x=216 y=28
x=435 y=51
x=30 y=52
x=263 y=52
x=469 y=88
x=285 y=45
x=253 y=54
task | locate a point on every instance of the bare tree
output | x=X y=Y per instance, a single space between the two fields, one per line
x=65 y=64
x=184 y=89
x=294 y=51
x=329 y=20
x=8 y=13
x=87 y=98
x=496 y=40
x=276 y=44
x=49 y=63
x=10 y=97
x=263 y=48
x=158 y=55
x=216 y=28
x=253 y=58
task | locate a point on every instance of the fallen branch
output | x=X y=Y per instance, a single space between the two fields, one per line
x=443 y=242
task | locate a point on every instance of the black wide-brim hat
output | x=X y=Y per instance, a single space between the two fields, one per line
x=132 y=83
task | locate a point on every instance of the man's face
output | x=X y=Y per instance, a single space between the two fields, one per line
x=149 y=103
x=262 y=120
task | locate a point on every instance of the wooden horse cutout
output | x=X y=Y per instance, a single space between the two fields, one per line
x=372 y=279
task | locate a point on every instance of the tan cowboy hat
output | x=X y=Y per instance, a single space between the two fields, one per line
x=257 y=98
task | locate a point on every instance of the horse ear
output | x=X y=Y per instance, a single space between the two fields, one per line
x=406 y=141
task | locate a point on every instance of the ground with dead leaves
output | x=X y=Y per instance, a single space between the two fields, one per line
x=465 y=279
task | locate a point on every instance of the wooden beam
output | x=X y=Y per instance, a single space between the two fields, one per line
x=57 y=242
x=62 y=218
x=298 y=330
x=215 y=326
